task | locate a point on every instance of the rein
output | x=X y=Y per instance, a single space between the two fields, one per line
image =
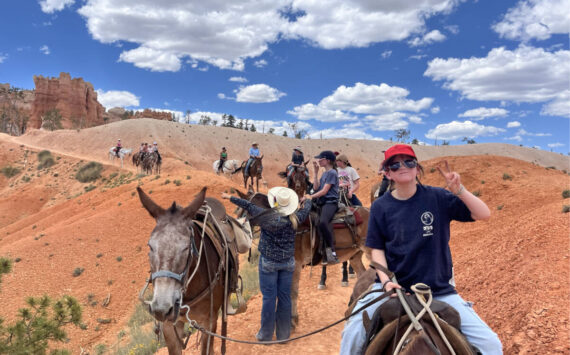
x=197 y=326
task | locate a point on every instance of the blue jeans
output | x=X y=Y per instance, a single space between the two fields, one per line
x=473 y=328
x=275 y=284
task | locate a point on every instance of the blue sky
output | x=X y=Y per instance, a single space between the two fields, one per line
x=492 y=71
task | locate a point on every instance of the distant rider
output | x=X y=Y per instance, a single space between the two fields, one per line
x=223 y=158
x=118 y=148
x=253 y=153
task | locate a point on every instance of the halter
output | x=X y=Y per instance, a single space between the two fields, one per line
x=182 y=275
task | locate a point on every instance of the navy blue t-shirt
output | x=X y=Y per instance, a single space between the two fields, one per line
x=329 y=177
x=414 y=235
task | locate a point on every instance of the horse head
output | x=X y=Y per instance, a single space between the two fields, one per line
x=170 y=254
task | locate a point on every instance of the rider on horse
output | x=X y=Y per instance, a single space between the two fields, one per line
x=297 y=160
x=118 y=148
x=349 y=180
x=154 y=149
x=253 y=153
x=223 y=158
x=327 y=199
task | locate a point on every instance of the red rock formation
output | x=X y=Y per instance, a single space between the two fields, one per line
x=159 y=115
x=75 y=100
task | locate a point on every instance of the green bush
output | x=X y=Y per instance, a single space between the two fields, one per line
x=89 y=172
x=45 y=159
x=500 y=207
x=566 y=209
x=507 y=177
x=10 y=171
x=89 y=188
x=36 y=326
x=566 y=193
x=476 y=193
x=78 y=271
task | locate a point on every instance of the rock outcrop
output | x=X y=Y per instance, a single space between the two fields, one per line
x=158 y=115
x=75 y=100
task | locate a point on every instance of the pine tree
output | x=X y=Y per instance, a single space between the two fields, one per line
x=51 y=120
x=252 y=128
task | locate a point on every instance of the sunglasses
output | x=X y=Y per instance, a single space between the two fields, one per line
x=410 y=163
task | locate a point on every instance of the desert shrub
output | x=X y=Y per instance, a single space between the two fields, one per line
x=476 y=193
x=432 y=170
x=10 y=171
x=89 y=188
x=482 y=182
x=89 y=172
x=566 y=209
x=119 y=258
x=45 y=159
x=550 y=168
x=507 y=176
x=177 y=182
x=140 y=316
x=5 y=267
x=100 y=349
x=113 y=175
x=566 y=193
x=104 y=320
x=167 y=181
x=500 y=207
x=40 y=324
x=78 y=271
x=26 y=178
x=141 y=342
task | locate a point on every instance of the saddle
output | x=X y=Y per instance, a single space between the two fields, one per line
x=346 y=216
x=219 y=228
x=391 y=315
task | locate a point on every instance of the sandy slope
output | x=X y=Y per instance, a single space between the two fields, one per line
x=514 y=267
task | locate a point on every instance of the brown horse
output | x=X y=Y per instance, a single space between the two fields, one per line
x=307 y=246
x=298 y=180
x=255 y=169
x=379 y=189
x=187 y=269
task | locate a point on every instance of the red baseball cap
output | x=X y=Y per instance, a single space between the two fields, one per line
x=396 y=150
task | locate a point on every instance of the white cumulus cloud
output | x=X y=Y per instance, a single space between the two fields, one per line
x=526 y=74
x=260 y=63
x=3 y=57
x=315 y=112
x=535 y=19
x=555 y=145
x=428 y=38
x=484 y=112
x=226 y=33
x=149 y=58
x=559 y=106
x=50 y=6
x=457 y=130
x=513 y=124
x=116 y=98
x=258 y=93
x=435 y=109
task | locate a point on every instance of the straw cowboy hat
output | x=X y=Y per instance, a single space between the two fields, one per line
x=284 y=199
x=298 y=148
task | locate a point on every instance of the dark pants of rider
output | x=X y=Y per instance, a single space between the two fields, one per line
x=221 y=165
x=325 y=226
x=275 y=284
x=355 y=201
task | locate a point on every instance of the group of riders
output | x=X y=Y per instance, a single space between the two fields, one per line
x=145 y=149
x=408 y=233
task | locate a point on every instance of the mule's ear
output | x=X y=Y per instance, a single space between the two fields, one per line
x=190 y=210
x=152 y=208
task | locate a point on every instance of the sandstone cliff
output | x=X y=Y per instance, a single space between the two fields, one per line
x=75 y=100
x=158 y=115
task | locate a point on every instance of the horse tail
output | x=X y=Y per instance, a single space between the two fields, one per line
x=238 y=169
x=282 y=174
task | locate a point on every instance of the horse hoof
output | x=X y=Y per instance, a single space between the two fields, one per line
x=344 y=283
x=321 y=287
x=352 y=276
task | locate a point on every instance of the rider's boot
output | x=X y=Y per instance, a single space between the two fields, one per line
x=331 y=256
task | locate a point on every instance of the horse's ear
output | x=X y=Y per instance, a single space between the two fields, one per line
x=190 y=210
x=152 y=208
x=307 y=162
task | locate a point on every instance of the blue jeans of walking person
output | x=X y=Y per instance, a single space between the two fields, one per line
x=473 y=328
x=275 y=284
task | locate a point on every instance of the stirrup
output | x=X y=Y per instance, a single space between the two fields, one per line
x=242 y=305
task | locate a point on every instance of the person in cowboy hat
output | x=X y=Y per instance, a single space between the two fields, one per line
x=253 y=153
x=408 y=233
x=349 y=180
x=154 y=149
x=326 y=193
x=297 y=160
x=277 y=260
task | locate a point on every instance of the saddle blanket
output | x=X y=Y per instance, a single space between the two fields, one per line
x=346 y=215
